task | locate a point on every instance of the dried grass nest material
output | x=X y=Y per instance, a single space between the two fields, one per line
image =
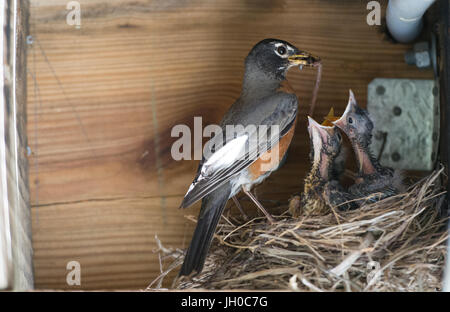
x=397 y=244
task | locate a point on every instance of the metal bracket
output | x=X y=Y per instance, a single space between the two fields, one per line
x=406 y=119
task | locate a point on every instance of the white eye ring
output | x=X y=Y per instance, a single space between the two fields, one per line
x=278 y=46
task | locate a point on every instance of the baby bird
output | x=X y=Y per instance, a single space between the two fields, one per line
x=372 y=179
x=322 y=188
x=338 y=167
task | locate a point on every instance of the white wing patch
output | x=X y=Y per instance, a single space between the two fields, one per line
x=226 y=155
x=222 y=158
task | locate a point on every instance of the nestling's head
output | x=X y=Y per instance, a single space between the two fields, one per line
x=274 y=57
x=355 y=123
x=325 y=141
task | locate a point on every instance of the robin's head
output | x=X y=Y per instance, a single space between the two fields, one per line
x=274 y=57
x=355 y=123
x=325 y=141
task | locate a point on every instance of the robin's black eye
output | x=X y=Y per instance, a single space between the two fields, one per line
x=281 y=50
x=350 y=120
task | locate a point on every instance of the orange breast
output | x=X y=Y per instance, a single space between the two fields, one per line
x=271 y=159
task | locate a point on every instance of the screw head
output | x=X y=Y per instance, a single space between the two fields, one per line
x=395 y=156
x=435 y=91
x=397 y=111
x=380 y=90
x=30 y=39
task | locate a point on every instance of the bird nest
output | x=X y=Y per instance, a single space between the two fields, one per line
x=397 y=244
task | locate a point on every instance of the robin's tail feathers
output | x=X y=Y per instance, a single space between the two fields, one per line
x=210 y=212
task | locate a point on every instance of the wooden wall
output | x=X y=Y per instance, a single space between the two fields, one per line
x=102 y=100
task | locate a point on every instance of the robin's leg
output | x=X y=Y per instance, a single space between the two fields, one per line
x=236 y=202
x=258 y=204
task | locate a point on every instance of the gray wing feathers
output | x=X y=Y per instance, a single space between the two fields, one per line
x=284 y=111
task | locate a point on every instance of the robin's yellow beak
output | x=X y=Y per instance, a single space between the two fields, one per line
x=304 y=59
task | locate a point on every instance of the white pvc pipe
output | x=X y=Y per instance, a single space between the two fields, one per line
x=404 y=18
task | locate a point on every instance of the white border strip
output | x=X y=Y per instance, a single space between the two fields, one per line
x=446 y=282
x=5 y=234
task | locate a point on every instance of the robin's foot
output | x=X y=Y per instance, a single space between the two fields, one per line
x=258 y=204
x=236 y=202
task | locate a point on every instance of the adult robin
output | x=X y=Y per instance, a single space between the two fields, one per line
x=322 y=189
x=373 y=180
x=256 y=133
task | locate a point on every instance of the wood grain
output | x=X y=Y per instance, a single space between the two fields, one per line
x=104 y=98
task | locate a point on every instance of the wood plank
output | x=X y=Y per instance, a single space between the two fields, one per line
x=102 y=178
x=15 y=217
